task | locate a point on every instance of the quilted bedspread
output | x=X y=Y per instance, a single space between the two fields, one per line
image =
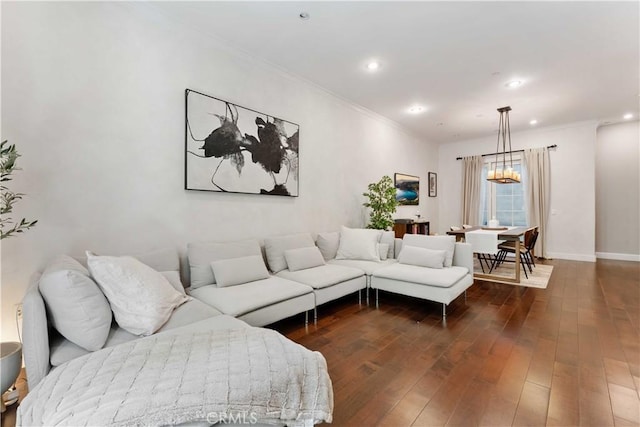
x=251 y=373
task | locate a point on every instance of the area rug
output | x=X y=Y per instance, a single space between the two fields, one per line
x=539 y=278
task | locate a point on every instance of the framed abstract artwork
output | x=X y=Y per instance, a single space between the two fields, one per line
x=233 y=149
x=407 y=189
x=433 y=184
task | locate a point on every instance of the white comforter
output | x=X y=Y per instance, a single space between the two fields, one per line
x=250 y=374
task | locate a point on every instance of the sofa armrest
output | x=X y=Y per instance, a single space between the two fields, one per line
x=463 y=256
x=35 y=334
x=397 y=247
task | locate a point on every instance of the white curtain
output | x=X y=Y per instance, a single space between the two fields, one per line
x=471 y=187
x=537 y=192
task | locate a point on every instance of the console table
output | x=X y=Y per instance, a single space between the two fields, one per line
x=403 y=226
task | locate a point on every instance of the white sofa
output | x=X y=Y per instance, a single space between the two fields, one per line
x=45 y=348
x=329 y=282
x=258 y=302
x=443 y=284
x=52 y=361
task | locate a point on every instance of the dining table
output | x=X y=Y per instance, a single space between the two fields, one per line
x=513 y=234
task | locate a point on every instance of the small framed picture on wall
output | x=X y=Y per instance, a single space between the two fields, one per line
x=433 y=184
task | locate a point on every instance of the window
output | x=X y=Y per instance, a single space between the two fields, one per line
x=504 y=201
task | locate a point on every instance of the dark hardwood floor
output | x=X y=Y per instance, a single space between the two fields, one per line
x=568 y=355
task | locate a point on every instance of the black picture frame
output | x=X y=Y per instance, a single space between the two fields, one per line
x=234 y=149
x=433 y=184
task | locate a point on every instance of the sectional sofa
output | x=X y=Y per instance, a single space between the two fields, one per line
x=232 y=289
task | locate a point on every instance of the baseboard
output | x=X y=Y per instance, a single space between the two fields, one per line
x=619 y=257
x=571 y=257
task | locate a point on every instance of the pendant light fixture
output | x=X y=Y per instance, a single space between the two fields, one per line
x=502 y=172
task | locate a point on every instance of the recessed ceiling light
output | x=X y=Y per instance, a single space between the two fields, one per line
x=373 y=65
x=416 y=109
x=533 y=122
x=627 y=116
x=514 y=84
x=304 y=16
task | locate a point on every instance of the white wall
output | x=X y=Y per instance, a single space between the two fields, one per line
x=93 y=96
x=571 y=228
x=618 y=191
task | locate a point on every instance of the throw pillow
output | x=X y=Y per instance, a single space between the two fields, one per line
x=201 y=254
x=274 y=248
x=328 y=244
x=447 y=243
x=141 y=298
x=77 y=307
x=422 y=257
x=236 y=271
x=383 y=251
x=303 y=258
x=359 y=243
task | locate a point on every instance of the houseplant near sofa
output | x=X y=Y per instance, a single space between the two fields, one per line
x=8 y=157
x=382 y=201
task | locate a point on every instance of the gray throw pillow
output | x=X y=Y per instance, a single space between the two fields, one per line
x=77 y=307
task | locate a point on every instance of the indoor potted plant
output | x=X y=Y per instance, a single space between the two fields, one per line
x=382 y=201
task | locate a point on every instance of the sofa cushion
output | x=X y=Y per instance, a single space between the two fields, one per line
x=77 y=307
x=189 y=313
x=422 y=257
x=359 y=243
x=236 y=271
x=443 y=277
x=275 y=247
x=389 y=238
x=367 y=266
x=166 y=259
x=447 y=243
x=141 y=298
x=201 y=254
x=323 y=276
x=383 y=251
x=238 y=300
x=173 y=277
x=303 y=258
x=328 y=244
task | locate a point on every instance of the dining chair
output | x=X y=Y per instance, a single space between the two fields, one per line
x=526 y=259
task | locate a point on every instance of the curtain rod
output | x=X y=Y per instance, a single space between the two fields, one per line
x=507 y=152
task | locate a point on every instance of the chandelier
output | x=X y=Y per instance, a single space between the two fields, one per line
x=504 y=174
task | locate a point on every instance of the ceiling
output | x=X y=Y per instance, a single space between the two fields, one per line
x=577 y=60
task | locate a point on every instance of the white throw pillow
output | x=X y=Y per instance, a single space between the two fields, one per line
x=383 y=251
x=141 y=298
x=303 y=258
x=447 y=243
x=201 y=254
x=422 y=257
x=328 y=244
x=236 y=271
x=359 y=243
x=77 y=307
x=274 y=248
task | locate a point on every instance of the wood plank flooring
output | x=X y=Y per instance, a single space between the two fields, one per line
x=568 y=355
